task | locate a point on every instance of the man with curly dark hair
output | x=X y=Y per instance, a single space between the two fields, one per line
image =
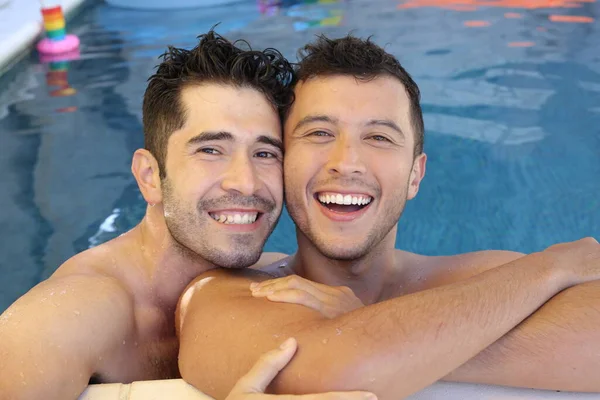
x=211 y=172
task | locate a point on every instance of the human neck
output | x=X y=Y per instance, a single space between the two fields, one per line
x=169 y=267
x=367 y=276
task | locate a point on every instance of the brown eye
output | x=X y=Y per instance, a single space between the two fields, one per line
x=320 y=133
x=379 y=138
x=208 y=150
x=265 y=154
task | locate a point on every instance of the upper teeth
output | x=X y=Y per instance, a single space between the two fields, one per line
x=235 y=218
x=345 y=199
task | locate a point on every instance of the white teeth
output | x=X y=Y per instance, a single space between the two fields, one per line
x=239 y=218
x=348 y=199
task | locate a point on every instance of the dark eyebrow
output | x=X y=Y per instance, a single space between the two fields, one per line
x=213 y=136
x=387 y=123
x=314 y=118
x=209 y=136
x=271 y=141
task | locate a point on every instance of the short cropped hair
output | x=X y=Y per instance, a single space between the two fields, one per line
x=213 y=60
x=364 y=60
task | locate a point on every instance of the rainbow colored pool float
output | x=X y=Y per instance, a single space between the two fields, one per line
x=57 y=41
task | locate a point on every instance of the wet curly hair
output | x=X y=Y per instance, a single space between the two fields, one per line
x=215 y=60
x=364 y=60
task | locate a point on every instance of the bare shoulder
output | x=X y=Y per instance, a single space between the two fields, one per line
x=432 y=271
x=84 y=284
x=106 y=259
x=214 y=287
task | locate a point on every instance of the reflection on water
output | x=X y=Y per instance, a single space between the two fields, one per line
x=472 y=5
x=511 y=100
x=304 y=17
x=57 y=77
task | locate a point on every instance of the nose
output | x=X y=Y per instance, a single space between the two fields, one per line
x=240 y=176
x=345 y=158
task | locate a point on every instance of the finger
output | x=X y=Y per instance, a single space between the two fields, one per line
x=291 y=282
x=296 y=296
x=266 y=368
x=271 y=283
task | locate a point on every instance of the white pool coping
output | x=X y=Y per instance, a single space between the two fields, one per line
x=177 y=389
x=21 y=26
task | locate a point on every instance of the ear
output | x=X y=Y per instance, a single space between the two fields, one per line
x=147 y=174
x=416 y=175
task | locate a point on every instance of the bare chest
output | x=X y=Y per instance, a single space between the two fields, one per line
x=148 y=353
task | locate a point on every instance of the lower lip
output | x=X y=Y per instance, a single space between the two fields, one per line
x=239 y=227
x=343 y=217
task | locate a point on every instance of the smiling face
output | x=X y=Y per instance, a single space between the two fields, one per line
x=222 y=194
x=349 y=164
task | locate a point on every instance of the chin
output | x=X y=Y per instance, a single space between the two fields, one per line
x=226 y=258
x=343 y=253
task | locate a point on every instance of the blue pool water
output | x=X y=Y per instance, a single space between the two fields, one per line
x=511 y=96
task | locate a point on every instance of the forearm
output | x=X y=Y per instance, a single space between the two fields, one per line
x=392 y=348
x=420 y=337
x=556 y=348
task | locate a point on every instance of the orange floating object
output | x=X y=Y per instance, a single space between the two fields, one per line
x=468 y=5
x=476 y=24
x=67 y=109
x=512 y=15
x=571 y=18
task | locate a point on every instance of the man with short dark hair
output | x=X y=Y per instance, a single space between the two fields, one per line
x=211 y=172
x=368 y=316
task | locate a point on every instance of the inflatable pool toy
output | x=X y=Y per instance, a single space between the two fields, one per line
x=56 y=41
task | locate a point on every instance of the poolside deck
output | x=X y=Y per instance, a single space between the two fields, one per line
x=177 y=389
x=21 y=26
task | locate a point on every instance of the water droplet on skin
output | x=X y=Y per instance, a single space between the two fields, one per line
x=124 y=342
x=76 y=312
x=63 y=292
x=325 y=341
x=338 y=331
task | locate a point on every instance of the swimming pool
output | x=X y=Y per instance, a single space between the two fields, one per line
x=511 y=96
